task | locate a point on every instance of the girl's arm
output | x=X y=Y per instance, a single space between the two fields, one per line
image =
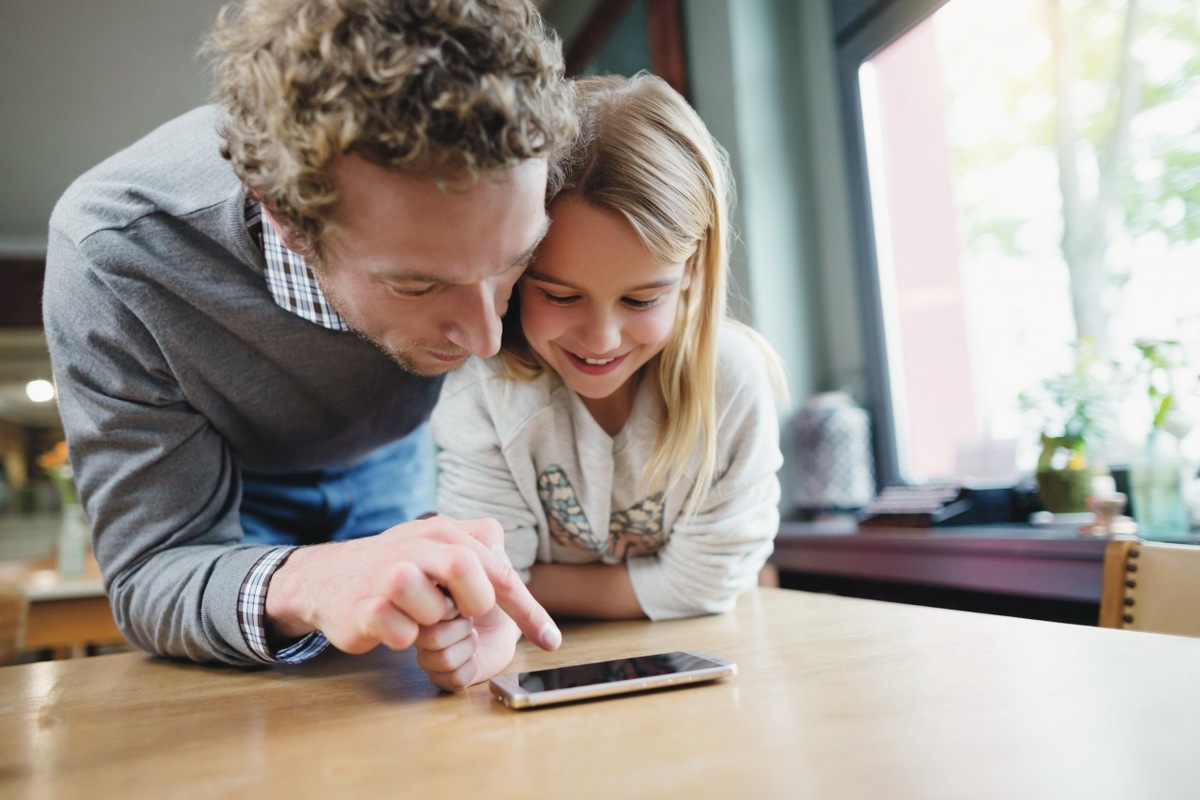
x=594 y=591
x=716 y=555
x=475 y=479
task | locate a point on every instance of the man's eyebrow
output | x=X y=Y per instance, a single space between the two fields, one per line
x=524 y=258
x=544 y=278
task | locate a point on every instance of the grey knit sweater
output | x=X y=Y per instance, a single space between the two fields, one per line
x=176 y=369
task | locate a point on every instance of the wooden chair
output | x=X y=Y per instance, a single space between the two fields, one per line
x=1151 y=586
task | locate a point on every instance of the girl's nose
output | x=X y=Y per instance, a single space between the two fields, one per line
x=602 y=334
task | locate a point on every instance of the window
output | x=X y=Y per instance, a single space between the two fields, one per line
x=1030 y=175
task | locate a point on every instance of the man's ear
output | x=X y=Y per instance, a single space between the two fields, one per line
x=284 y=232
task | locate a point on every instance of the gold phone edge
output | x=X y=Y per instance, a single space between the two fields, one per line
x=517 y=699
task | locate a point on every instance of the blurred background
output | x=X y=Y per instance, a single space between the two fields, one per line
x=967 y=220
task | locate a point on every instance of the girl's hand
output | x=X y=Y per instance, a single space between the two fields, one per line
x=458 y=652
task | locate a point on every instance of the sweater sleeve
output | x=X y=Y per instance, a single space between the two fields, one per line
x=712 y=557
x=475 y=478
x=159 y=484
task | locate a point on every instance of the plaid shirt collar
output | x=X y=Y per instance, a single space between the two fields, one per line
x=289 y=279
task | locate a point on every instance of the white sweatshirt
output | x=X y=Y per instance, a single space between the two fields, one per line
x=531 y=456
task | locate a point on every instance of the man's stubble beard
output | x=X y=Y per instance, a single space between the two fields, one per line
x=401 y=356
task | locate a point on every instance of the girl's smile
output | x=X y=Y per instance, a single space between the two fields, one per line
x=594 y=366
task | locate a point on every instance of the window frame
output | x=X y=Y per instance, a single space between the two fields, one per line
x=860 y=37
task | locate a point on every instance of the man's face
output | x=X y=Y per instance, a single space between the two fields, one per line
x=425 y=272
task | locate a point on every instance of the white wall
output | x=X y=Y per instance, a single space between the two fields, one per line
x=79 y=80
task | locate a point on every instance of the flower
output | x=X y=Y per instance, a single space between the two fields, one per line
x=58 y=467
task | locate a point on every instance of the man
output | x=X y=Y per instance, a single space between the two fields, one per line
x=249 y=312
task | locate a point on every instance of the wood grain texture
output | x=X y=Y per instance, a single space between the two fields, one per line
x=836 y=697
x=54 y=612
x=1112 y=590
x=668 y=56
x=70 y=624
x=1152 y=587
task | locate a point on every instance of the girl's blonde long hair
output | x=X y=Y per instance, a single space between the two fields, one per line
x=643 y=152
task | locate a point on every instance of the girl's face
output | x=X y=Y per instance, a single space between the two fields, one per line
x=596 y=305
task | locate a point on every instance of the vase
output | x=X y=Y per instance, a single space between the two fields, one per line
x=74 y=539
x=1065 y=491
x=830 y=447
x=1157 y=476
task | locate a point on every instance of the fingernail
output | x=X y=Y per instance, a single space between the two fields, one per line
x=551 y=636
x=499 y=550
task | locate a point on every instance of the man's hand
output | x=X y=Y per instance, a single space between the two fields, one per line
x=459 y=652
x=382 y=589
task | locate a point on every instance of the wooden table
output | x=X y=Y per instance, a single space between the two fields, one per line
x=836 y=698
x=61 y=613
x=55 y=612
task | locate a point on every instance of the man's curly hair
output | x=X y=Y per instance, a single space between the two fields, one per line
x=448 y=88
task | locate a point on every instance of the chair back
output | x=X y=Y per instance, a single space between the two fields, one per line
x=1151 y=586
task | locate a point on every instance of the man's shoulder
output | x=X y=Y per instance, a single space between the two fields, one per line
x=176 y=170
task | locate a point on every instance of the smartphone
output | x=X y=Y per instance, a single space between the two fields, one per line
x=596 y=679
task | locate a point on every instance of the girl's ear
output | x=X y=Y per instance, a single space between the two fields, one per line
x=686 y=280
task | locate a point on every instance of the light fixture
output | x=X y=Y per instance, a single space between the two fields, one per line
x=40 y=391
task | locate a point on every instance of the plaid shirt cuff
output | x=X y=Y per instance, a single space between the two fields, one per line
x=252 y=611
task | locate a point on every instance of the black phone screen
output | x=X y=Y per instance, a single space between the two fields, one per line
x=619 y=669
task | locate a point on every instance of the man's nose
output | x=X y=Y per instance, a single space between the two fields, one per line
x=476 y=326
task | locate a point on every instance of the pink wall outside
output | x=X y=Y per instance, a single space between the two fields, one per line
x=926 y=253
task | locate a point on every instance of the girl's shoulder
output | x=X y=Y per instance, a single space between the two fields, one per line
x=484 y=383
x=474 y=373
x=745 y=359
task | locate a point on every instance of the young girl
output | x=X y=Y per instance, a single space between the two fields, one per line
x=626 y=437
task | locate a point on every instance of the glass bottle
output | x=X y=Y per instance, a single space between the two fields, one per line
x=71 y=547
x=1157 y=475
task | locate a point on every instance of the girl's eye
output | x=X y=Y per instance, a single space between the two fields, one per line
x=557 y=300
x=635 y=303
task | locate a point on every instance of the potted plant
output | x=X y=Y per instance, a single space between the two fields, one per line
x=1072 y=409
